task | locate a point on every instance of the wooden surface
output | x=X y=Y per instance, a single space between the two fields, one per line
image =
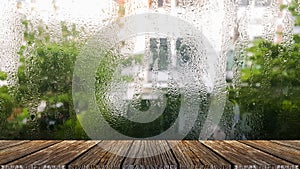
x=156 y=154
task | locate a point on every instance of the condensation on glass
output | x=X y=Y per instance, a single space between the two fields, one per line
x=249 y=90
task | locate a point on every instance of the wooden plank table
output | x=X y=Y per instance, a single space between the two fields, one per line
x=78 y=154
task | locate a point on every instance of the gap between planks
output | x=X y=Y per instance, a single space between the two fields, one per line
x=183 y=154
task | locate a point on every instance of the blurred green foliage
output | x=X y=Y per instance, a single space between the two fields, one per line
x=41 y=105
x=270 y=90
x=3 y=75
x=293 y=7
x=269 y=93
x=6 y=105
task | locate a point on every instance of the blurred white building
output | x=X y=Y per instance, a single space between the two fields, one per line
x=207 y=16
x=254 y=19
x=264 y=19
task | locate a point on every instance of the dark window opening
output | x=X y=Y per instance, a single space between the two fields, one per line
x=257 y=3
x=243 y=2
x=159 y=53
x=160 y=3
x=183 y=52
x=260 y=3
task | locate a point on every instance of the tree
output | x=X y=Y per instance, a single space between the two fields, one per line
x=270 y=94
x=43 y=95
x=6 y=102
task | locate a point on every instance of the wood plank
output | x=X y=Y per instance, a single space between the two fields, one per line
x=244 y=156
x=101 y=157
x=12 y=153
x=56 y=156
x=207 y=157
x=283 y=152
x=290 y=143
x=192 y=154
x=152 y=153
x=10 y=143
x=186 y=159
x=184 y=154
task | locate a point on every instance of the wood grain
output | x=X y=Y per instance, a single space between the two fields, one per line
x=9 y=143
x=206 y=156
x=192 y=154
x=290 y=143
x=16 y=152
x=152 y=153
x=281 y=151
x=244 y=156
x=56 y=156
x=100 y=157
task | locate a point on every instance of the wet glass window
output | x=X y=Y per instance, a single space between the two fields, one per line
x=149 y=69
x=257 y=3
x=183 y=51
x=262 y=3
x=160 y=3
x=244 y=2
x=159 y=51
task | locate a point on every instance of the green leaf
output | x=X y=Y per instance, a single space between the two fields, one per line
x=3 y=75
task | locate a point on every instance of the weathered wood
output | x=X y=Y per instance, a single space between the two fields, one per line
x=162 y=154
x=12 y=153
x=290 y=143
x=192 y=154
x=207 y=157
x=9 y=143
x=101 y=157
x=152 y=153
x=281 y=151
x=244 y=156
x=183 y=155
x=56 y=156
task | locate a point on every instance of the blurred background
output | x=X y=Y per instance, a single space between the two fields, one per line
x=257 y=43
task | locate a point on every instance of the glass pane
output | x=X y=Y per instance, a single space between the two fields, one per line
x=244 y=2
x=149 y=69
